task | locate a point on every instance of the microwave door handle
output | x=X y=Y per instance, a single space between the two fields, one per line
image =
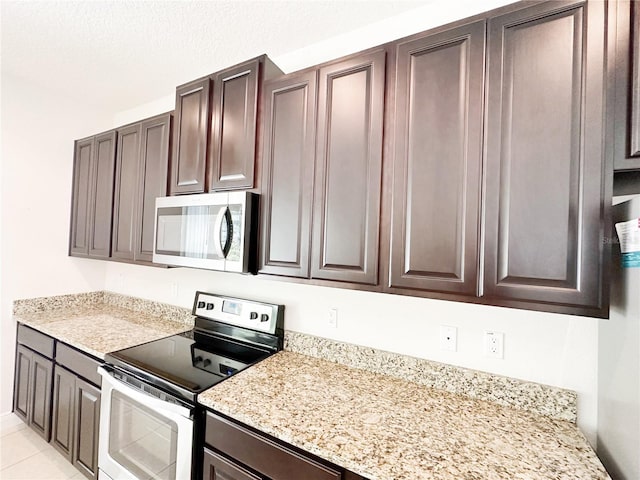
x=223 y=216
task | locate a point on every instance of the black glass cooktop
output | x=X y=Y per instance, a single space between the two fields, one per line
x=191 y=361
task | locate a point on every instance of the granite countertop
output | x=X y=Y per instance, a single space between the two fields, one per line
x=387 y=428
x=102 y=322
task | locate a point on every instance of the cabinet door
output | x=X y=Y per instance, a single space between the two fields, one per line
x=22 y=382
x=546 y=157
x=62 y=418
x=87 y=421
x=627 y=71
x=126 y=192
x=217 y=467
x=80 y=204
x=289 y=147
x=101 y=196
x=233 y=128
x=154 y=164
x=438 y=161
x=40 y=400
x=189 y=158
x=346 y=213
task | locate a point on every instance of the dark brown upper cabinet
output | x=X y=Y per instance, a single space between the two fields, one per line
x=233 y=130
x=155 y=148
x=346 y=214
x=627 y=78
x=126 y=187
x=189 y=159
x=216 y=128
x=287 y=183
x=141 y=176
x=547 y=162
x=438 y=161
x=92 y=198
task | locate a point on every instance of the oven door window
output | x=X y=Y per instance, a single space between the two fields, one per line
x=141 y=440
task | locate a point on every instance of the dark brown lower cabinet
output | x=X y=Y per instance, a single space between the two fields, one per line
x=32 y=390
x=234 y=452
x=87 y=421
x=62 y=416
x=57 y=401
x=217 y=467
x=76 y=413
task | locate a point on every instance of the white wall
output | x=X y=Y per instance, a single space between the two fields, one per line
x=619 y=364
x=38 y=129
x=558 y=350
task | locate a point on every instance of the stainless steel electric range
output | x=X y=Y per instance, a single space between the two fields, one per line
x=149 y=419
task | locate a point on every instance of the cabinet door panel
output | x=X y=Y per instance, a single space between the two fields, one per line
x=545 y=162
x=217 y=467
x=22 y=379
x=40 y=401
x=87 y=416
x=62 y=418
x=348 y=170
x=233 y=139
x=627 y=78
x=153 y=181
x=289 y=133
x=189 y=158
x=82 y=165
x=126 y=192
x=102 y=195
x=438 y=155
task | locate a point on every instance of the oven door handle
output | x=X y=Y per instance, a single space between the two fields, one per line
x=142 y=397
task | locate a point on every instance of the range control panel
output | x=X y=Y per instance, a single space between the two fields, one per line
x=262 y=317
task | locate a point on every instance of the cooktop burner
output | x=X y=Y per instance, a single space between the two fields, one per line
x=230 y=334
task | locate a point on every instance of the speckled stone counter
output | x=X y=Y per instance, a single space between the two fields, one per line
x=101 y=322
x=387 y=428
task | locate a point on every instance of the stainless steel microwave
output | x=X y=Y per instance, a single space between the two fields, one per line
x=215 y=231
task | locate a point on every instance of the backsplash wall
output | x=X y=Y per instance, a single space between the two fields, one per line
x=558 y=350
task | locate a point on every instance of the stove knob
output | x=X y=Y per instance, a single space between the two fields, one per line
x=264 y=317
x=201 y=304
x=253 y=315
x=206 y=363
x=198 y=359
x=209 y=306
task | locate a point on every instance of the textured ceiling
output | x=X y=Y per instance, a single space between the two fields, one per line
x=120 y=54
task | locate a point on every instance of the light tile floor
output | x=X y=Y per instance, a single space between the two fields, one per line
x=26 y=456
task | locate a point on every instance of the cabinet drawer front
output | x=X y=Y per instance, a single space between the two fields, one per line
x=35 y=340
x=261 y=454
x=78 y=362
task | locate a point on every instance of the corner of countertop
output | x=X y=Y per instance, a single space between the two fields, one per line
x=554 y=402
x=82 y=300
x=43 y=304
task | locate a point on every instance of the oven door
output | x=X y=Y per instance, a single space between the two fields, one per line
x=142 y=436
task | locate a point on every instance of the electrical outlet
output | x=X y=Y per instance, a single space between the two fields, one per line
x=332 y=319
x=174 y=289
x=494 y=344
x=448 y=338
